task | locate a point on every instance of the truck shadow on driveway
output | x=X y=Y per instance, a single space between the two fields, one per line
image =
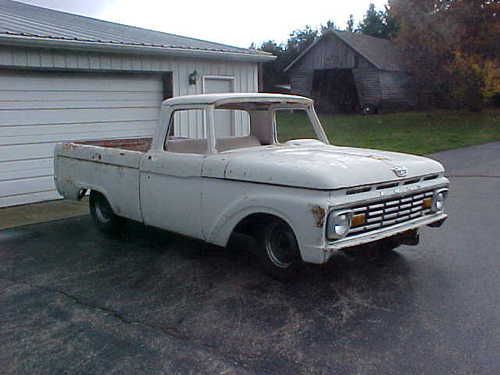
x=214 y=297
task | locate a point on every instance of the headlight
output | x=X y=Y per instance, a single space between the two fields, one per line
x=338 y=224
x=438 y=200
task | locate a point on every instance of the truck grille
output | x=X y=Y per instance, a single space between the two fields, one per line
x=384 y=213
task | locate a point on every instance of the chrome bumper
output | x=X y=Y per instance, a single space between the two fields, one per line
x=380 y=234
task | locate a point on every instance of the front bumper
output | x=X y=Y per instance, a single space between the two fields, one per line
x=364 y=238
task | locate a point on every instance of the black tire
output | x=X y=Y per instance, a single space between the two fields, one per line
x=103 y=215
x=277 y=249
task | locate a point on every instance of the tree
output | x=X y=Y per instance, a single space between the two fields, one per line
x=299 y=40
x=350 y=23
x=379 y=24
x=272 y=71
x=330 y=26
x=451 y=47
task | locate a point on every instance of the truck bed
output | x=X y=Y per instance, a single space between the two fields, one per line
x=130 y=144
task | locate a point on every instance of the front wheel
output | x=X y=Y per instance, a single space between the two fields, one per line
x=102 y=213
x=277 y=250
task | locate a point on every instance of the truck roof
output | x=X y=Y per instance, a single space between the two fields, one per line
x=236 y=98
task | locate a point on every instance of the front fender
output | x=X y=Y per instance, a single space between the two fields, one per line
x=304 y=210
x=223 y=228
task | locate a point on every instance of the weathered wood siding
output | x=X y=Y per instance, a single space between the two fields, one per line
x=386 y=89
x=397 y=90
x=368 y=85
x=329 y=53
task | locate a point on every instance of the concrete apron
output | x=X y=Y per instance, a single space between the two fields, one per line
x=16 y=216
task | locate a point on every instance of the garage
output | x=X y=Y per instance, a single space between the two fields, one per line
x=64 y=77
x=38 y=110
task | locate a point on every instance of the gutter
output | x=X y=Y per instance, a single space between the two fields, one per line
x=80 y=45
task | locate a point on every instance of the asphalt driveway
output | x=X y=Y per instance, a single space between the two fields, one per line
x=75 y=301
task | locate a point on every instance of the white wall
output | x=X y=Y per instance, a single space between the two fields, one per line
x=245 y=74
x=43 y=60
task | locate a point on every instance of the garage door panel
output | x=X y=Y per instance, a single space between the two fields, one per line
x=13 y=200
x=98 y=134
x=65 y=104
x=75 y=131
x=73 y=82
x=26 y=169
x=31 y=96
x=37 y=110
x=61 y=116
x=26 y=185
x=25 y=152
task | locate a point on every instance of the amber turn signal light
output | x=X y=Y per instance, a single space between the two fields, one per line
x=358 y=220
x=427 y=203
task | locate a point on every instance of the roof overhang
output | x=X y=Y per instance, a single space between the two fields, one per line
x=81 y=45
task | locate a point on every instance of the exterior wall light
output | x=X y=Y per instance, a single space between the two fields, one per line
x=193 y=77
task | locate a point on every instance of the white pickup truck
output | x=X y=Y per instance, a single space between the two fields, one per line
x=219 y=164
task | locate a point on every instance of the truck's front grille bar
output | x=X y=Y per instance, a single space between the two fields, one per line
x=384 y=213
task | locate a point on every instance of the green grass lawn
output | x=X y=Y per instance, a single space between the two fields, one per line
x=413 y=132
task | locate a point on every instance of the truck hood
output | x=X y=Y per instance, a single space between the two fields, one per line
x=318 y=166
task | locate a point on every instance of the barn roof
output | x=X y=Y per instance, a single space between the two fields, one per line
x=380 y=52
x=35 y=26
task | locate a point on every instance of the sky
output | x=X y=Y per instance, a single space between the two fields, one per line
x=237 y=23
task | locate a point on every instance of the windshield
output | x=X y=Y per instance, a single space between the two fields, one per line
x=293 y=124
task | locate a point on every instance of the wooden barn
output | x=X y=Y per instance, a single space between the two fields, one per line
x=348 y=72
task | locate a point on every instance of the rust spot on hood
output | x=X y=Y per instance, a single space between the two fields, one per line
x=319 y=214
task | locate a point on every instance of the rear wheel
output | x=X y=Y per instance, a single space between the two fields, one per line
x=277 y=250
x=102 y=214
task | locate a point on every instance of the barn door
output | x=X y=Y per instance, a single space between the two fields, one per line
x=224 y=120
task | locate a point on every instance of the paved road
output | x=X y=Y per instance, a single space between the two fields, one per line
x=74 y=301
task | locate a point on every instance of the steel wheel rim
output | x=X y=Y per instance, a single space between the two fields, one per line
x=280 y=246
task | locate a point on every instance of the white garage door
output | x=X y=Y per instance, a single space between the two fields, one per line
x=37 y=110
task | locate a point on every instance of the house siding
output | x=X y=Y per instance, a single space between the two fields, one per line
x=28 y=75
x=245 y=74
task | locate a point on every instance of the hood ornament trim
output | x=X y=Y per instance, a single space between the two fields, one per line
x=400 y=171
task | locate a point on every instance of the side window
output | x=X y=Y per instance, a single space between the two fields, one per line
x=187 y=132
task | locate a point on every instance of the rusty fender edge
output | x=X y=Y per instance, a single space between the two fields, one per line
x=319 y=214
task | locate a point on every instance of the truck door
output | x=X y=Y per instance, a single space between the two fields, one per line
x=170 y=178
x=170 y=191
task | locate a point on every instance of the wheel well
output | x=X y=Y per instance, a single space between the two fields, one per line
x=250 y=223
x=96 y=193
x=81 y=193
